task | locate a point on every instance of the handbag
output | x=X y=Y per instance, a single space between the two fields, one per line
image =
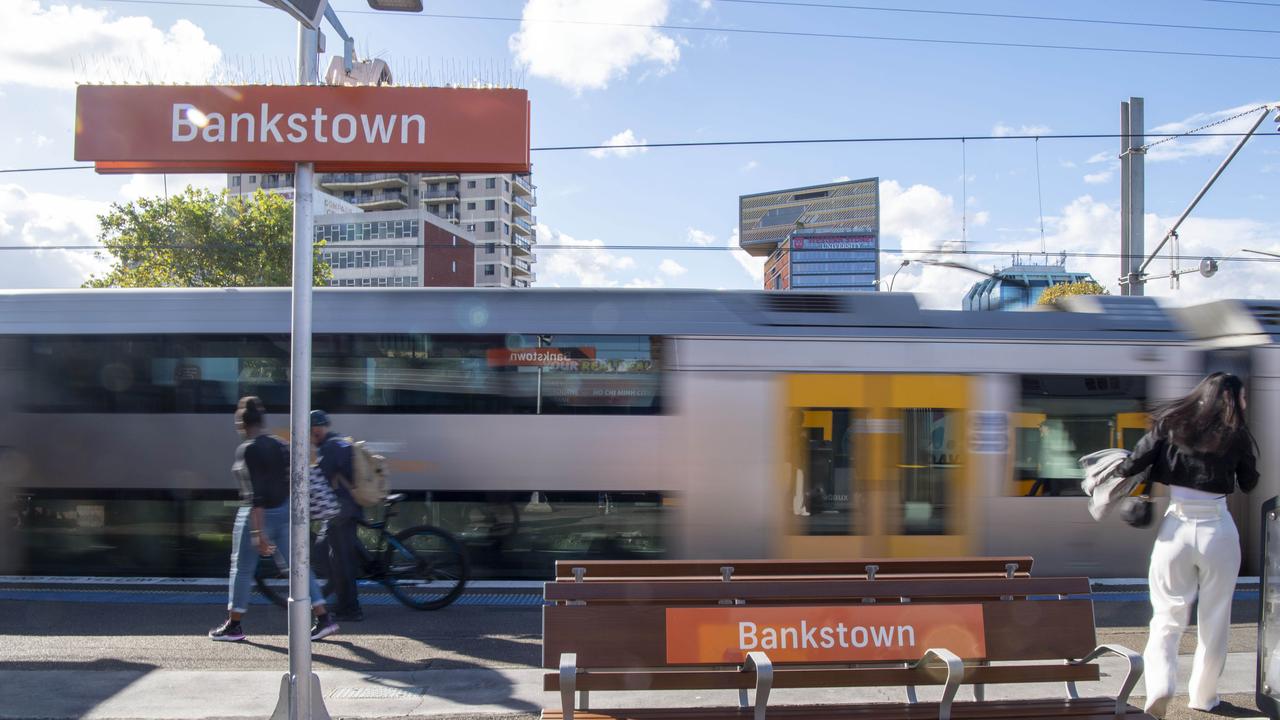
x=1139 y=511
x=322 y=499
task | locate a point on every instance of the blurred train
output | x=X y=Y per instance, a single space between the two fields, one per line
x=555 y=424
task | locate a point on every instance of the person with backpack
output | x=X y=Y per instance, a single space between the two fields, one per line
x=334 y=459
x=1200 y=446
x=262 y=523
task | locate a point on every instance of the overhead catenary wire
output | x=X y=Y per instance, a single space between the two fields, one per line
x=555 y=247
x=764 y=32
x=787 y=141
x=998 y=16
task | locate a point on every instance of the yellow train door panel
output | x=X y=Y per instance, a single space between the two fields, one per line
x=877 y=465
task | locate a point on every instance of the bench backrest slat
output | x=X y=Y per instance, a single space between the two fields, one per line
x=793 y=591
x=743 y=569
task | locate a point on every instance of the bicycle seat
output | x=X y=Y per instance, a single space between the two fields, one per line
x=394 y=498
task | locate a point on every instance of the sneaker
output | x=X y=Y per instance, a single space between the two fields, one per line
x=356 y=616
x=322 y=627
x=228 y=631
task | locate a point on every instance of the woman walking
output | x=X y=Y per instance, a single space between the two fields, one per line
x=1201 y=447
x=262 y=522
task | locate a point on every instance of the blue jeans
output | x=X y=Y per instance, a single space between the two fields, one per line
x=244 y=554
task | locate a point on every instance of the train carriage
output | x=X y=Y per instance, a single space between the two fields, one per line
x=566 y=423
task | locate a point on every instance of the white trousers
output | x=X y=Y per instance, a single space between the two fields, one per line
x=1197 y=553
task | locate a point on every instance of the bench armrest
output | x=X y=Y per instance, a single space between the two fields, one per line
x=955 y=675
x=1130 y=680
x=760 y=663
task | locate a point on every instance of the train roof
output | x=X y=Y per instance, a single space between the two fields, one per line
x=1233 y=323
x=591 y=311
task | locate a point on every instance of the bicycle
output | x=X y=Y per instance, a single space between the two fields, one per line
x=424 y=567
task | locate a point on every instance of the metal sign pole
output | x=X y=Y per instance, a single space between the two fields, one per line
x=300 y=695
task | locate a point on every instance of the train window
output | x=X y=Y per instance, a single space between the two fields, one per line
x=931 y=443
x=1063 y=417
x=393 y=373
x=823 y=495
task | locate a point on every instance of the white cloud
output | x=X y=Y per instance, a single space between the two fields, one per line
x=981 y=218
x=671 y=268
x=1002 y=130
x=589 y=56
x=1100 y=157
x=917 y=219
x=43 y=220
x=585 y=263
x=750 y=165
x=842 y=178
x=61 y=45
x=754 y=266
x=645 y=284
x=699 y=237
x=1193 y=147
x=616 y=146
x=1100 y=177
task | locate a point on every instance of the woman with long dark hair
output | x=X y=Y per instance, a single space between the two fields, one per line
x=1200 y=446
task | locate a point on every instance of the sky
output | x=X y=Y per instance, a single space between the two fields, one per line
x=667 y=217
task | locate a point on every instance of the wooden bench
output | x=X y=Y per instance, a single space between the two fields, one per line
x=671 y=628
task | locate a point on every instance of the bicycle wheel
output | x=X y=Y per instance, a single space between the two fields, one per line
x=426 y=567
x=271 y=582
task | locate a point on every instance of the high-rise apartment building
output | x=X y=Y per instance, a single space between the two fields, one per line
x=495 y=210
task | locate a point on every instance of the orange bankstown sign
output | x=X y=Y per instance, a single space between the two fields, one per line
x=540 y=357
x=260 y=128
x=897 y=633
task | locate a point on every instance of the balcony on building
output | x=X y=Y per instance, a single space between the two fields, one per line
x=522 y=185
x=389 y=200
x=521 y=266
x=522 y=205
x=275 y=182
x=338 y=182
x=524 y=226
x=522 y=245
x=440 y=177
x=442 y=195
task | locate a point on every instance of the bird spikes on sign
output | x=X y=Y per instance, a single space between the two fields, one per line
x=113 y=69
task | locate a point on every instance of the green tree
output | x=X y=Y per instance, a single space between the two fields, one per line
x=1054 y=293
x=201 y=239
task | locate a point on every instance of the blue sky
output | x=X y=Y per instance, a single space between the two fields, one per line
x=591 y=83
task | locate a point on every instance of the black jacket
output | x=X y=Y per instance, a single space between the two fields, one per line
x=335 y=461
x=1174 y=465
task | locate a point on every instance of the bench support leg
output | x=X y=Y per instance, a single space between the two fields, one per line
x=979 y=690
x=584 y=696
x=763 y=667
x=1130 y=680
x=568 y=683
x=955 y=674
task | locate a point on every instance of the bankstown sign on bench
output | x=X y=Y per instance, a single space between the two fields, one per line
x=257 y=128
x=718 y=636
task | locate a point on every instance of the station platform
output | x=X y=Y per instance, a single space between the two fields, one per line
x=136 y=649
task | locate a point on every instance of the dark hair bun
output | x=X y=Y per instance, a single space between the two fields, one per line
x=250 y=411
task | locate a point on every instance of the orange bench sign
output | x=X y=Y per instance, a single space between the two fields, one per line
x=889 y=633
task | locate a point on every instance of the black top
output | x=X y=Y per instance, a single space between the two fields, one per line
x=1175 y=465
x=262 y=469
x=335 y=461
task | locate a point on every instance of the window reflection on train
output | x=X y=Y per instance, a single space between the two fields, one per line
x=403 y=373
x=1063 y=417
x=188 y=534
x=830 y=497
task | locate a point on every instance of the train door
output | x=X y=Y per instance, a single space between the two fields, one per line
x=877 y=466
x=1130 y=427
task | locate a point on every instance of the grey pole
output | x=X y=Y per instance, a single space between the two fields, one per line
x=300 y=695
x=1137 y=195
x=1124 y=199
